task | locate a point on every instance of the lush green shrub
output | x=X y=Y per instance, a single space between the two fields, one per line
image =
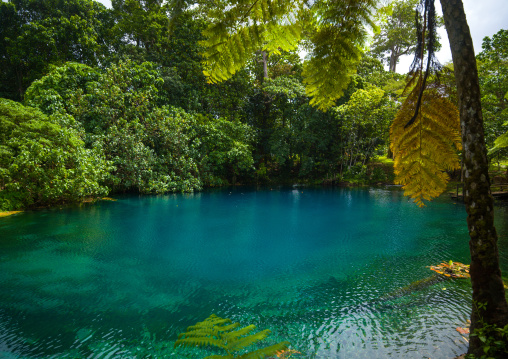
x=225 y=152
x=43 y=162
x=378 y=175
x=153 y=149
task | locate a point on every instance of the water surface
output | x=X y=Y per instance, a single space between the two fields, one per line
x=320 y=268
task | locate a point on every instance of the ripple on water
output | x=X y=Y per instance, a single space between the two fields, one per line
x=335 y=272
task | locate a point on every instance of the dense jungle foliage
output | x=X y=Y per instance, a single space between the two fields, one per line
x=99 y=101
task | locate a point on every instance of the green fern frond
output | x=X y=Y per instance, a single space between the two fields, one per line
x=282 y=38
x=333 y=62
x=218 y=332
x=200 y=342
x=242 y=342
x=210 y=322
x=338 y=41
x=499 y=143
x=246 y=27
x=427 y=148
x=266 y=352
x=238 y=333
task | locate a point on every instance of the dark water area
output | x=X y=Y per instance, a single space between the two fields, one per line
x=320 y=268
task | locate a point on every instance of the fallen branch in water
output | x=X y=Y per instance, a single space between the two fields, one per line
x=452 y=269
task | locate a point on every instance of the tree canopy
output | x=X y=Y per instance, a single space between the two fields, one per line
x=43 y=160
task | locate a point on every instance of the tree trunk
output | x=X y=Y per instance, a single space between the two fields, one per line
x=389 y=153
x=485 y=273
x=19 y=80
x=265 y=64
x=393 y=61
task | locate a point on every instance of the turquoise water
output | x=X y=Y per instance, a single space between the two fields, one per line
x=320 y=268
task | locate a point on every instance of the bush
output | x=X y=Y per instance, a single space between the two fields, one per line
x=153 y=149
x=43 y=163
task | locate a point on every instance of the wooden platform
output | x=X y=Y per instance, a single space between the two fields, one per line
x=497 y=195
x=500 y=191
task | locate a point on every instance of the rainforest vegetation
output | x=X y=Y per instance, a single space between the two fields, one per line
x=154 y=97
x=98 y=101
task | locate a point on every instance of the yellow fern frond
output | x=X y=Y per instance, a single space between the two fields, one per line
x=427 y=148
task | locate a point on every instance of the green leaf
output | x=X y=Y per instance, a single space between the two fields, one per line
x=266 y=352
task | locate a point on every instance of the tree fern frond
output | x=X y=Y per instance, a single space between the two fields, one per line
x=200 y=342
x=282 y=38
x=246 y=27
x=243 y=342
x=228 y=54
x=499 y=143
x=220 y=333
x=328 y=72
x=424 y=150
x=266 y=352
x=228 y=337
x=338 y=41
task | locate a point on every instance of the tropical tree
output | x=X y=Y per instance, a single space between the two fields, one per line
x=371 y=70
x=224 y=150
x=143 y=23
x=43 y=161
x=117 y=109
x=395 y=36
x=493 y=77
x=153 y=149
x=365 y=119
x=34 y=35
